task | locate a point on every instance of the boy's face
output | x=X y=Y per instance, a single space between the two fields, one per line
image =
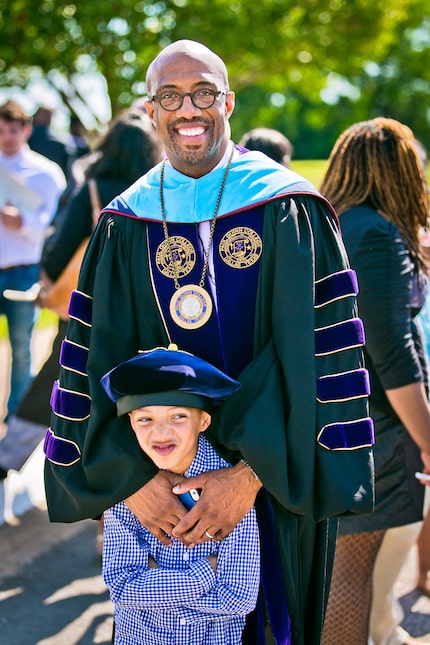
x=169 y=434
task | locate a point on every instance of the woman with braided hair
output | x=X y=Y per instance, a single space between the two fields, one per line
x=376 y=183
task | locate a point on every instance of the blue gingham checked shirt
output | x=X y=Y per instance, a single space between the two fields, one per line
x=183 y=602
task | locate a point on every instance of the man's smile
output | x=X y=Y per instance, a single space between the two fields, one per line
x=191 y=132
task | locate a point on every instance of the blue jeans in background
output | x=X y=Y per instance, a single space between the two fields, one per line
x=21 y=317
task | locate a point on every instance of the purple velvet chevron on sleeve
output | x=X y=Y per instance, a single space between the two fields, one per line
x=60 y=451
x=73 y=357
x=70 y=405
x=343 y=386
x=335 y=286
x=348 y=435
x=81 y=307
x=338 y=337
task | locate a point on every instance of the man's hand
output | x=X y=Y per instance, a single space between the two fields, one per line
x=227 y=496
x=156 y=507
x=11 y=217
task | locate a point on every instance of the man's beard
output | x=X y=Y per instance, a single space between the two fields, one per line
x=190 y=155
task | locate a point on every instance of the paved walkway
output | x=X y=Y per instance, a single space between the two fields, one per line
x=416 y=606
x=51 y=590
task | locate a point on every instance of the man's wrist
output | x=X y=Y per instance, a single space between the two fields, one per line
x=243 y=461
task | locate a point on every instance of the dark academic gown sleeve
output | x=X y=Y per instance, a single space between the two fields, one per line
x=279 y=387
x=120 y=318
x=275 y=418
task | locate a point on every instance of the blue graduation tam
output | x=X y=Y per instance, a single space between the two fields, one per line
x=167 y=377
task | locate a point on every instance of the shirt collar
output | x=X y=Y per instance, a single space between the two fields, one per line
x=199 y=460
x=13 y=159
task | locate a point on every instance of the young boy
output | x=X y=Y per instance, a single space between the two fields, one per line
x=174 y=594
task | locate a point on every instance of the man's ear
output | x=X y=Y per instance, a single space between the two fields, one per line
x=149 y=106
x=229 y=103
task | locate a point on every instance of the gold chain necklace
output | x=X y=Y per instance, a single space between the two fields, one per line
x=191 y=305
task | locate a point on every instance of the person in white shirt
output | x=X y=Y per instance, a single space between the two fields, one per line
x=30 y=187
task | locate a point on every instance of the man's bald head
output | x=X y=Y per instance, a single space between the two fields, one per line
x=186 y=49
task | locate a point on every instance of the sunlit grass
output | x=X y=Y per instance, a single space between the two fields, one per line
x=314 y=169
x=311 y=169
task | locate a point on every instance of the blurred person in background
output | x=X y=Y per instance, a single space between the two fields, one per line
x=30 y=187
x=272 y=142
x=78 y=137
x=376 y=183
x=48 y=144
x=387 y=612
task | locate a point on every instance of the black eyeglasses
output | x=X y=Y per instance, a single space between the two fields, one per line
x=203 y=98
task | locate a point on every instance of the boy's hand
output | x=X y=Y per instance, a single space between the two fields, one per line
x=227 y=496
x=156 y=507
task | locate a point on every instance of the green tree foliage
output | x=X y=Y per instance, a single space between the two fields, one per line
x=309 y=68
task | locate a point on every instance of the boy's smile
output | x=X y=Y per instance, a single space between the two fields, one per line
x=163 y=449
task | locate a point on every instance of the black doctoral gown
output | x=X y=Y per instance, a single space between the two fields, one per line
x=300 y=418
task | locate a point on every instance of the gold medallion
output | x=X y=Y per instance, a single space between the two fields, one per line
x=191 y=306
x=241 y=247
x=175 y=257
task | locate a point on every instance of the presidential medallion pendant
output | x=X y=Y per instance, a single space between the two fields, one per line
x=190 y=306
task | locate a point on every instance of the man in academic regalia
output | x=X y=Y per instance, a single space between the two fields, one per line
x=238 y=260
